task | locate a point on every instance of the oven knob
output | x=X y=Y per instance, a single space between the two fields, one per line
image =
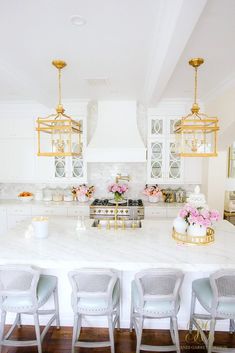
x=111 y=211
x=94 y=211
x=99 y=211
x=126 y=211
x=121 y=211
x=106 y=211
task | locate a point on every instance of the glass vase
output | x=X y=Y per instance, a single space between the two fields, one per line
x=118 y=197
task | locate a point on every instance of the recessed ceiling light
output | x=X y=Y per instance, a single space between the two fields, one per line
x=77 y=20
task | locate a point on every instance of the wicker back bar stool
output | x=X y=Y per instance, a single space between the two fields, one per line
x=24 y=291
x=155 y=295
x=216 y=295
x=95 y=292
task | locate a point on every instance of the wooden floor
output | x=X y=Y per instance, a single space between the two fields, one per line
x=59 y=341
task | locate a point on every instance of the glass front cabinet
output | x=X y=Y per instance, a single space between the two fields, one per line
x=164 y=165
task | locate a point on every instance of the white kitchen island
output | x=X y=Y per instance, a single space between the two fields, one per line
x=126 y=250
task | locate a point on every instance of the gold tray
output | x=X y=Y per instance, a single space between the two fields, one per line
x=185 y=238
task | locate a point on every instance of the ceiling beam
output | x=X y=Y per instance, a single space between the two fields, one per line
x=176 y=22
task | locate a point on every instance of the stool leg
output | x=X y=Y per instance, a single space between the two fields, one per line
x=37 y=331
x=19 y=320
x=56 y=301
x=231 y=326
x=131 y=316
x=118 y=313
x=139 y=334
x=176 y=333
x=192 y=310
x=211 y=336
x=2 y=325
x=111 y=335
x=76 y=328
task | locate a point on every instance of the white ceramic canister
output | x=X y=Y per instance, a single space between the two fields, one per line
x=180 y=225
x=40 y=227
x=154 y=198
x=196 y=230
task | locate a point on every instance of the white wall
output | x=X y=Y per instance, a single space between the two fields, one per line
x=215 y=169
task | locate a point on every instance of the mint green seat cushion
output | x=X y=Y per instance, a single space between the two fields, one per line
x=46 y=285
x=161 y=308
x=96 y=304
x=204 y=293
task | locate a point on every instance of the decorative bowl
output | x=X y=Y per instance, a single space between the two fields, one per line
x=25 y=198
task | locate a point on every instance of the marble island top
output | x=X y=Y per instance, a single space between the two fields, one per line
x=149 y=246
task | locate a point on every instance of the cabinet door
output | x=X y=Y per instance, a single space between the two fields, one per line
x=171 y=121
x=155 y=212
x=14 y=220
x=174 y=164
x=156 y=161
x=156 y=126
x=3 y=221
x=17 y=160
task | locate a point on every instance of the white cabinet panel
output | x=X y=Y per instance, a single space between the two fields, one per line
x=172 y=212
x=17 y=160
x=19 y=210
x=16 y=214
x=49 y=211
x=15 y=125
x=79 y=211
x=3 y=221
x=14 y=220
x=155 y=212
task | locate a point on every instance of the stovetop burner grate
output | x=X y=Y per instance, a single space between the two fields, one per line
x=107 y=202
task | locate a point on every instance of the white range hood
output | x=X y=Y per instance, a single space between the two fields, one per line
x=116 y=138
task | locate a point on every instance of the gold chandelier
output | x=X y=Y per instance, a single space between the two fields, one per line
x=196 y=133
x=58 y=134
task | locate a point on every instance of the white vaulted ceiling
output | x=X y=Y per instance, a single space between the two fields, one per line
x=128 y=49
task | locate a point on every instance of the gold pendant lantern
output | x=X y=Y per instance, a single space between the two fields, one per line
x=196 y=133
x=59 y=134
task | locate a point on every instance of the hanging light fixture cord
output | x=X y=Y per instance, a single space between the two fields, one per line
x=59 y=77
x=195 y=86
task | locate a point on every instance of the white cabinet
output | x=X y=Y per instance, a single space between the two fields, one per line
x=63 y=169
x=79 y=211
x=155 y=212
x=49 y=211
x=3 y=221
x=164 y=164
x=15 y=215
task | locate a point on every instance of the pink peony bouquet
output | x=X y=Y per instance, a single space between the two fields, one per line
x=118 y=190
x=201 y=216
x=83 y=190
x=152 y=190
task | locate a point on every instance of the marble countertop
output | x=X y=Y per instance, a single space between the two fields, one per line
x=133 y=249
x=9 y=203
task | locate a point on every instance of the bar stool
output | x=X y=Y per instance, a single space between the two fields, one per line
x=155 y=295
x=95 y=292
x=24 y=291
x=216 y=295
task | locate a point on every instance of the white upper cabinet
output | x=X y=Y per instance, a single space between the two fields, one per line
x=18 y=148
x=163 y=165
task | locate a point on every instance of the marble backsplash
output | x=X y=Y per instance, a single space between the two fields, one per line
x=100 y=175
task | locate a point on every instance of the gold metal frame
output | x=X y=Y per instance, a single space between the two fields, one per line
x=196 y=121
x=59 y=123
x=197 y=240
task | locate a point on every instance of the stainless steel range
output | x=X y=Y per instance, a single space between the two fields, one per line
x=106 y=209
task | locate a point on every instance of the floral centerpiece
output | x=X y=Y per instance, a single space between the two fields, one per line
x=83 y=192
x=118 y=191
x=153 y=192
x=195 y=220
